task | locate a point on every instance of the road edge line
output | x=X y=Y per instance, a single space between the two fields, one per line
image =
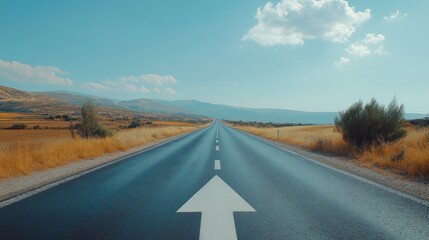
x=33 y=191
x=357 y=177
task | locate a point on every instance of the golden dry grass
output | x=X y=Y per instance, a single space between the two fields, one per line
x=32 y=134
x=415 y=146
x=7 y=119
x=316 y=138
x=20 y=157
x=12 y=115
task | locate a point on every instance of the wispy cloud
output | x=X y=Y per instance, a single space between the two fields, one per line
x=358 y=50
x=372 y=43
x=24 y=73
x=154 y=79
x=170 y=91
x=373 y=39
x=291 y=22
x=94 y=86
x=342 y=61
x=395 y=16
x=136 y=84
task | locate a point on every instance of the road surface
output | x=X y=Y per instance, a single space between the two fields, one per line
x=216 y=183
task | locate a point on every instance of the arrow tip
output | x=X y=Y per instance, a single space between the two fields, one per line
x=216 y=196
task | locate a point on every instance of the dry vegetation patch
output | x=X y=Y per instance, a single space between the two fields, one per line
x=409 y=155
x=37 y=150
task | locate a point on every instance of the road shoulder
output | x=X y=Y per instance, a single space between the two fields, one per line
x=15 y=188
x=419 y=190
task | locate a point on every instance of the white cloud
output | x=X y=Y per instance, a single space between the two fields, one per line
x=342 y=61
x=143 y=89
x=372 y=43
x=158 y=80
x=133 y=84
x=358 y=50
x=124 y=86
x=170 y=91
x=373 y=39
x=379 y=50
x=94 y=86
x=395 y=16
x=24 y=73
x=291 y=22
x=154 y=79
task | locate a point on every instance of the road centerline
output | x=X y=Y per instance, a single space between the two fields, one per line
x=217 y=165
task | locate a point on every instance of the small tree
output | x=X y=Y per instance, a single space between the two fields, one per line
x=135 y=124
x=90 y=127
x=363 y=126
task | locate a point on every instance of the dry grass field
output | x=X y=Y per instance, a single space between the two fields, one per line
x=414 y=147
x=27 y=150
x=19 y=157
x=32 y=134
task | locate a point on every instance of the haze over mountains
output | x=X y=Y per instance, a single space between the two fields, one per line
x=16 y=100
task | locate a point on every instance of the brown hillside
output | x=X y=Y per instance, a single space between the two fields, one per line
x=14 y=100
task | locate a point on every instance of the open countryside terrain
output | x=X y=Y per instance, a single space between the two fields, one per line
x=214 y=120
x=45 y=140
x=408 y=156
x=170 y=191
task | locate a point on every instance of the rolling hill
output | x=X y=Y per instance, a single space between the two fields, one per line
x=62 y=102
x=198 y=108
x=16 y=100
x=251 y=114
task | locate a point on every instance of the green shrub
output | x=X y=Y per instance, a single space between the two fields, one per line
x=101 y=131
x=67 y=118
x=90 y=127
x=363 y=126
x=135 y=124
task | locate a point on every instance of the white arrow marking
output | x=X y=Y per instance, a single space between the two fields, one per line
x=217 y=165
x=217 y=203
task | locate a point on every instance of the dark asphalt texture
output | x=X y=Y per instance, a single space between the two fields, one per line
x=137 y=198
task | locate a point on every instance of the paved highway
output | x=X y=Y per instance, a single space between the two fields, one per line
x=216 y=183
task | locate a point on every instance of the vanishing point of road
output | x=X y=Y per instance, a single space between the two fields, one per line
x=216 y=183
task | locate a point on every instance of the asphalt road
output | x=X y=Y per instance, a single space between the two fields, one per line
x=275 y=195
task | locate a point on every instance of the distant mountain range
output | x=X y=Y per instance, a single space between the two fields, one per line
x=16 y=100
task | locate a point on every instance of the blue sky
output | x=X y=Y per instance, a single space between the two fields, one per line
x=305 y=55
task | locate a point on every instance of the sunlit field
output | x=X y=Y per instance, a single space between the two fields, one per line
x=28 y=150
x=409 y=156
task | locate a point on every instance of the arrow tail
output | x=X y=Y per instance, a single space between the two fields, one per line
x=217 y=226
